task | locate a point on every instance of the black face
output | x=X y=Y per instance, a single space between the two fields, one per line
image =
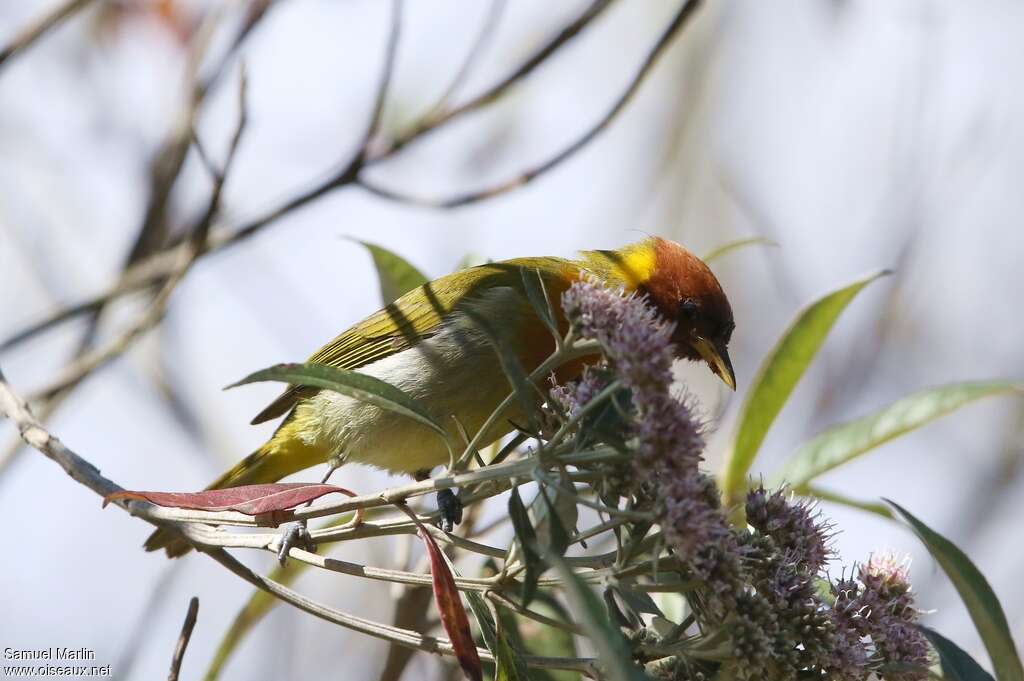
x=707 y=319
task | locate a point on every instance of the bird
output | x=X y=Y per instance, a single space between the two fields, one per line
x=432 y=344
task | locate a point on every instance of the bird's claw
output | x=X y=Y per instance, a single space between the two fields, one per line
x=296 y=535
x=450 y=507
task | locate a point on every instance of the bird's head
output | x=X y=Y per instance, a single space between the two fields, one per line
x=685 y=292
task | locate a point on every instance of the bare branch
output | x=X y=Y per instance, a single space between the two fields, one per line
x=678 y=22
x=387 y=73
x=490 y=24
x=183 y=639
x=502 y=86
x=30 y=34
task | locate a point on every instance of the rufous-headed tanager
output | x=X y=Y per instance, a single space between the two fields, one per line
x=429 y=344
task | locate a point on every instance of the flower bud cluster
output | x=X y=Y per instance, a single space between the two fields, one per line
x=761 y=586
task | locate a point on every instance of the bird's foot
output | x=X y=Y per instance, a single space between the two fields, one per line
x=295 y=535
x=450 y=506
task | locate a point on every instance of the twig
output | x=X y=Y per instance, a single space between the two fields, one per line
x=483 y=37
x=387 y=73
x=498 y=89
x=41 y=27
x=386 y=632
x=680 y=19
x=183 y=639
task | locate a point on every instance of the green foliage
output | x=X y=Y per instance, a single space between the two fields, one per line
x=957 y=665
x=730 y=246
x=779 y=373
x=397 y=277
x=977 y=595
x=843 y=443
x=350 y=383
x=612 y=649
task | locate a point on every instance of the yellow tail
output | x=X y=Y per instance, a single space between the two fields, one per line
x=281 y=456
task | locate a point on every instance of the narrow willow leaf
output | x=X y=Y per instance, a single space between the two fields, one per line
x=509 y=664
x=730 y=246
x=957 y=665
x=484 y=621
x=526 y=538
x=778 y=376
x=536 y=293
x=612 y=649
x=397 y=277
x=351 y=383
x=847 y=441
x=524 y=390
x=553 y=520
x=977 y=595
x=875 y=507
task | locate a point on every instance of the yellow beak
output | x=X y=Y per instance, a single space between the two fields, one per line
x=717 y=359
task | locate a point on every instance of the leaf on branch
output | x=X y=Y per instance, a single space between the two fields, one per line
x=957 y=665
x=247 y=499
x=396 y=275
x=350 y=383
x=977 y=595
x=731 y=246
x=526 y=538
x=844 y=442
x=536 y=293
x=451 y=610
x=778 y=376
x=612 y=648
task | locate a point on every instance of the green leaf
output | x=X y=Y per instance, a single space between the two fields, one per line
x=509 y=664
x=526 y=538
x=554 y=520
x=778 y=376
x=350 y=383
x=836 y=498
x=977 y=595
x=484 y=621
x=397 y=277
x=525 y=391
x=845 y=442
x=612 y=649
x=957 y=665
x=537 y=294
x=730 y=246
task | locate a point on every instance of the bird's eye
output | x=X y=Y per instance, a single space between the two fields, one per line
x=688 y=308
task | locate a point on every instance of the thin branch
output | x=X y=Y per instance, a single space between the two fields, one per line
x=33 y=32
x=183 y=639
x=150 y=271
x=483 y=39
x=526 y=176
x=402 y=637
x=498 y=89
x=387 y=73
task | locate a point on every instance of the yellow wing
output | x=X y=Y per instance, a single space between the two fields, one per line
x=418 y=315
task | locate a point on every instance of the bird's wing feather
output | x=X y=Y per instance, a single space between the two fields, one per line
x=415 y=316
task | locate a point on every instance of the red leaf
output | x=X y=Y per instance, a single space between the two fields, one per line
x=247 y=499
x=453 y=614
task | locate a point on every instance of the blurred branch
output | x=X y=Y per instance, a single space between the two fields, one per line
x=498 y=89
x=150 y=271
x=482 y=41
x=183 y=639
x=33 y=32
x=678 y=22
x=89 y=362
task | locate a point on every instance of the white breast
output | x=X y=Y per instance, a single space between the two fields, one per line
x=453 y=373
